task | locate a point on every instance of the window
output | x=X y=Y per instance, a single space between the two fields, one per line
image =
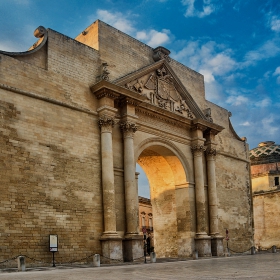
x=276 y=181
x=143 y=222
x=150 y=223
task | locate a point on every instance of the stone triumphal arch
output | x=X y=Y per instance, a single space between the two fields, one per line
x=180 y=157
x=76 y=117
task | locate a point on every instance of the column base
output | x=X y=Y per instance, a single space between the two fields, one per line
x=133 y=247
x=203 y=245
x=111 y=244
x=217 y=246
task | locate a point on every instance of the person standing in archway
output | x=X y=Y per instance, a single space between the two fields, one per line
x=148 y=244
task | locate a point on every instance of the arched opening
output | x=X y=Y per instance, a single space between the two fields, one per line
x=170 y=198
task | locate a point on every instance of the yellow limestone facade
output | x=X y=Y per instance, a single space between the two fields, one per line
x=265 y=173
x=76 y=117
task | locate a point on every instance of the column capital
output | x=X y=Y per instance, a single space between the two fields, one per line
x=198 y=149
x=106 y=123
x=128 y=128
x=211 y=153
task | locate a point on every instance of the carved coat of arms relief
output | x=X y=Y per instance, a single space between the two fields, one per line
x=159 y=88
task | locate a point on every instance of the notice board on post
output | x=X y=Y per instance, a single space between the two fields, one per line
x=53 y=243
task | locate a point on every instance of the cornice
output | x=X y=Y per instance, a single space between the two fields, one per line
x=115 y=91
x=127 y=100
x=232 y=156
x=206 y=127
x=103 y=92
x=265 y=192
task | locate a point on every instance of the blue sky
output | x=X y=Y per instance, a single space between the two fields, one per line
x=235 y=44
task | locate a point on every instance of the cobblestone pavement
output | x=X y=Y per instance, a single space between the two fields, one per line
x=260 y=266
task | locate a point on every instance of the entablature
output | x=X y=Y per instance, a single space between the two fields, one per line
x=122 y=96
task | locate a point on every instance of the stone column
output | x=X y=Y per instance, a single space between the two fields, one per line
x=133 y=248
x=203 y=241
x=217 y=240
x=198 y=151
x=106 y=124
x=212 y=192
x=111 y=241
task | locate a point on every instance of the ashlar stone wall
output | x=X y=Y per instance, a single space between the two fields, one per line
x=50 y=153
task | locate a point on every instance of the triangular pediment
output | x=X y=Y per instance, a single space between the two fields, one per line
x=162 y=88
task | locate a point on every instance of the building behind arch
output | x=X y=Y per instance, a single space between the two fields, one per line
x=76 y=116
x=265 y=172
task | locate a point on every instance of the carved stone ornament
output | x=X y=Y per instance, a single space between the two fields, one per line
x=198 y=149
x=106 y=123
x=207 y=113
x=159 y=88
x=161 y=53
x=211 y=152
x=104 y=73
x=128 y=128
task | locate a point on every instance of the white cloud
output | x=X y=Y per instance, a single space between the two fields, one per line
x=277 y=71
x=207 y=58
x=123 y=22
x=263 y=103
x=246 y=124
x=275 y=23
x=268 y=126
x=267 y=74
x=208 y=75
x=267 y=50
x=236 y=100
x=153 y=38
x=277 y=74
x=221 y=63
x=211 y=60
x=207 y=9
x=117 y=20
